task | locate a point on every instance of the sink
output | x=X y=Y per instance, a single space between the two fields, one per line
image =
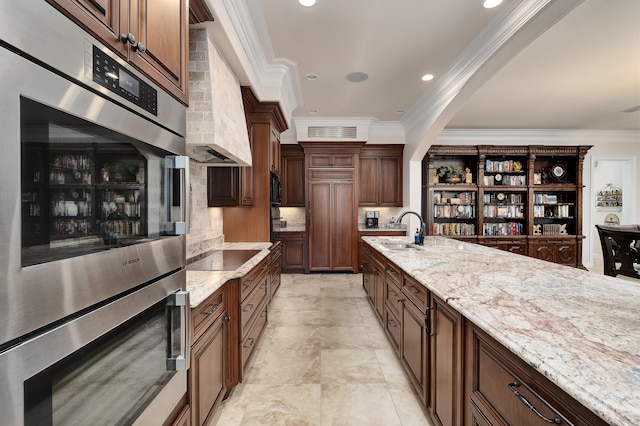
x=399 y=246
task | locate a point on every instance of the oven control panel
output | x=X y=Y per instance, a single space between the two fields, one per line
x=110 y=74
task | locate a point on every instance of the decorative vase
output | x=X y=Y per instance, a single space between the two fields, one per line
x=449 y=178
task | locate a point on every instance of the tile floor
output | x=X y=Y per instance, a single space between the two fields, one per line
x=323 y=360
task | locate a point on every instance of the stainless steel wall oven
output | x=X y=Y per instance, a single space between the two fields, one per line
x=94 y=325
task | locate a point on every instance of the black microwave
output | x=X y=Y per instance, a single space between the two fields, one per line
x=276 y=190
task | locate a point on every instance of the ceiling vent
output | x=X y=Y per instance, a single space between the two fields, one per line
x=332 y=132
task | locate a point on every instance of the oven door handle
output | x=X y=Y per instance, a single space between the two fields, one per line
x=177 y=162
x=179 y=352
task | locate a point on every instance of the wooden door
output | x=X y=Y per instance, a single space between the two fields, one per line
x=390 y=181
x=369 y=178
x=414 y=352
x=292 y=176
x=342 y=226
x=104 y=19
x=319 y=226
x=207 y=371
x=161 y=25
x=446 y=364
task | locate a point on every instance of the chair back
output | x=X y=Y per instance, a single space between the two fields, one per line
x=620 y=249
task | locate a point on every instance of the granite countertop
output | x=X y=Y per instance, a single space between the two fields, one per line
x=382 y=228
x=202 y=284
x=291 y=227
x=579 y=329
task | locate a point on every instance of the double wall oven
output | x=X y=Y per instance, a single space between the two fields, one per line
x=94 y=317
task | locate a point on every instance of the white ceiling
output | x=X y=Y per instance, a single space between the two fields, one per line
x=580 y=74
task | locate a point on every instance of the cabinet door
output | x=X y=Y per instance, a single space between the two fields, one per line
x=319 y=225
x=292 y=252
x=104 y=19
x=414 y=352
x=207 y=371
x=292 y=177
x=390 y=181
x=275 y=152
x=446 y=364
x=369 y=181
x=223 y=186
x=161 y=25
x=343 y=227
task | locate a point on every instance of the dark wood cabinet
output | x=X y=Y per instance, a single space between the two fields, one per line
x=493 y=375
x=161 y=26
x=330 y=170
x=292 y=178
x=362 y=245
x=251 y=219
x=275 y=153
x=223 y=186
x=275 y=267
x=381 y=175
x=293 y=251
x=446 y=330
x=523 y=199
x=414 y=352
x=209 y=357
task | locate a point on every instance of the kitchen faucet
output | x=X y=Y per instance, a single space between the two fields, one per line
x=422 y=228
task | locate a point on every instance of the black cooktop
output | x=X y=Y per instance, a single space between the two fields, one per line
x=220 y=260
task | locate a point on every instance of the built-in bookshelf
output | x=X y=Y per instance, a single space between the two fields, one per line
x=524 y=199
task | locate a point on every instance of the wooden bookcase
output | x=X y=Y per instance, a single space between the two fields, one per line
x=523 y=199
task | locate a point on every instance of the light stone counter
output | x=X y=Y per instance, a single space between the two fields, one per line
x=291 y=227
x=202 y=284
x=382 y=228
x=578 y=328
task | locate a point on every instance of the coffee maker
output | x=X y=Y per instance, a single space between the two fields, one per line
x=371 y=219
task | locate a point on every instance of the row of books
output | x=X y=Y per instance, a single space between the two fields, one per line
x=509 y=211
x=454 y=211
x=561 y=211
x=457 y=197
x=509 y=228
x=509 y=180
x=493 y=198
x=502 y=166
x=542 y=198
x=460 y=229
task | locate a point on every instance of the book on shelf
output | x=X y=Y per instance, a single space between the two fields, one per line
x=508 y=228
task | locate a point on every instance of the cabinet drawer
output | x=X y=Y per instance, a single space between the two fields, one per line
x=250 y=280
x=393 y=298
x=394 y=274
x=249 y=307
x=254 y=333
x=504 y=388
x=207 y=312
x=415 y=292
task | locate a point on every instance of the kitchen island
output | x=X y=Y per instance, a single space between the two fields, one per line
x=578 y=329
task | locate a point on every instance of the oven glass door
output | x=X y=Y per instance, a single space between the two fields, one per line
x=86 y=188
x=113 y=379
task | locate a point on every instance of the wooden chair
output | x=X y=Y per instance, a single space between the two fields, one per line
x=620 y=249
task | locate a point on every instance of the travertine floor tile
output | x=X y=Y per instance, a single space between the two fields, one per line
x=324 y=359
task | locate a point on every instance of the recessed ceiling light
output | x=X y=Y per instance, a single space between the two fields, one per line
x=427 y=77
x=400 y=111
x=488 y=4
x=357 y=77
x=307 y=3
x=313 y=111
x=311 y=76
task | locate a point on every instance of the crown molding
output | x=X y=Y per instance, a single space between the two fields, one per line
x=535 y=136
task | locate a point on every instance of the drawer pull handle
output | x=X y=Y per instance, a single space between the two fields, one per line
x=249 y=342
x=212 y=310
x=525 y=401
x=393 y=293
x=412 y=289
x=248 y=308
x=392 y=323
x=248 y=283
